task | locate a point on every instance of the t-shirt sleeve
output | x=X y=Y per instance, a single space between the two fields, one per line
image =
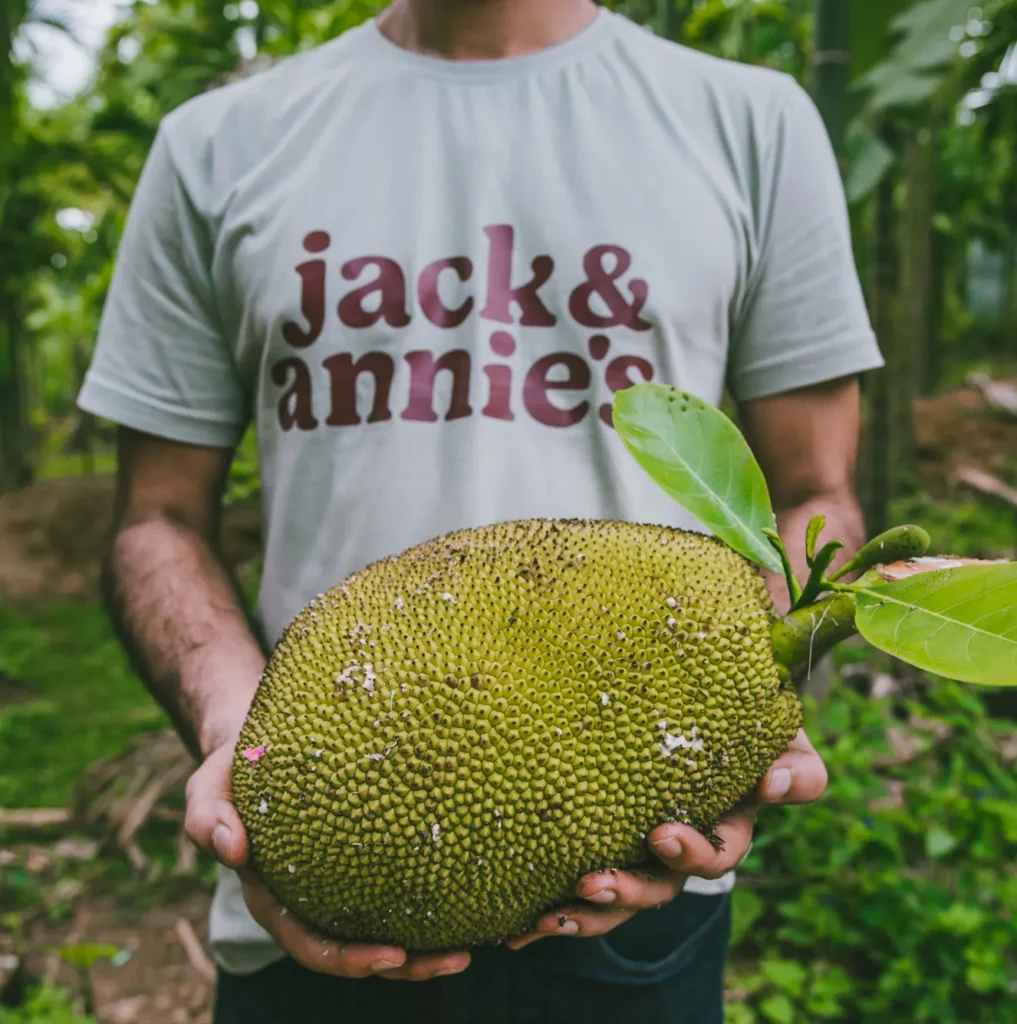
x=162 y=364
x=803 y=319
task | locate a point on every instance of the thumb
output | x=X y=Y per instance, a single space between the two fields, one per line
x=798 y=776
x=212 y=822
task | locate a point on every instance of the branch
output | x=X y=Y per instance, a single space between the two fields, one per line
x=987 y=484
x=39 y=817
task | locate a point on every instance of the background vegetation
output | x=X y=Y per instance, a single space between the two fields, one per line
x=896 y=897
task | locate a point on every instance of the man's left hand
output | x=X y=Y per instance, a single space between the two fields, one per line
x=610 y=898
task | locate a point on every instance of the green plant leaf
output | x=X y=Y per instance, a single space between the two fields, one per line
x=939 y=842
x=778 y=1008
x=816 y=526
x=959 y=623
x=85 y=954
x=699 y=457
x=746 y=909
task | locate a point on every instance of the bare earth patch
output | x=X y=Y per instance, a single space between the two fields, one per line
x=158 y=985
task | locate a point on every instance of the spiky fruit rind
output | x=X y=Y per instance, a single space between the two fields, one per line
x=448 y=740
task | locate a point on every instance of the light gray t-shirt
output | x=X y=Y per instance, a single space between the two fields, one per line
x=424 y=280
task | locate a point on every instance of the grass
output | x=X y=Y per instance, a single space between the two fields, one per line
x=85 y=703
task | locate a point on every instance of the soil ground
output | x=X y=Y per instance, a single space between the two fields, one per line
x=157 y=985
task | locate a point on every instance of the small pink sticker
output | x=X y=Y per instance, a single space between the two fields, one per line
x=255 y=754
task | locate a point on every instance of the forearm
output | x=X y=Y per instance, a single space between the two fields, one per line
x=844 y=522
x=182 y=621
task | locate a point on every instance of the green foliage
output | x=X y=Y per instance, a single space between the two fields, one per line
x=934 y=53
x=891 y=899
x=764 y=32
x=85 y=955
x=46 y=1004
x=967 y=529
x=87 y=702
x=244 y=483
x=699 y=457
x=960 y=623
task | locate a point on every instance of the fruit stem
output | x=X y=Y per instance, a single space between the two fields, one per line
x=806 y=634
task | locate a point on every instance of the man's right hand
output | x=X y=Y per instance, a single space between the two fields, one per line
x=214 y=826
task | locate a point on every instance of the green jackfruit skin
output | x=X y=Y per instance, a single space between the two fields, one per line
x=454 y=736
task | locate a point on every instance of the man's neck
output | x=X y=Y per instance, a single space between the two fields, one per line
x=484 y=29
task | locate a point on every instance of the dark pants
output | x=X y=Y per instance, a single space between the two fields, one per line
x=664 y=966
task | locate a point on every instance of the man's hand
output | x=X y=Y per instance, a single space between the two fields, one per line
x=214 y=826
x=611 y=897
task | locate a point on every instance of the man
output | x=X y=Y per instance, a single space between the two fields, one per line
x=423 y=257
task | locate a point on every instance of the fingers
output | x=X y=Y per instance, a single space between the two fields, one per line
x=798 y=776
x=685 y=851
x=630 y=890
x=577 y=922
x=212 y=822
x=424 y=968
x=311 y=950
x=345 y=959
x=612 y=897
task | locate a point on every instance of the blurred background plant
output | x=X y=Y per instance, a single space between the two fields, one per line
x=894 y=899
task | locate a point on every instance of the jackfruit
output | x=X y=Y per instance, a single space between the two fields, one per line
x=443 y=744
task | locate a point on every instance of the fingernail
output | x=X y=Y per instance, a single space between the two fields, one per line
x=668 y=847
x=603 y=896
x=221 y=837
x=449 y=970
x=780 y=783
x=385 y=965
x=568 y=928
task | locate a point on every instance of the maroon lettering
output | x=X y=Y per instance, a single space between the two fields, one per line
x=598 y=345
x=312 y=294
x=389 y=286
x=500 y=293
x=499 y=399
x=295 y=406
x=344 y=372
x=617 y=378
x=603 y=283
x=423 y=370
x=537 y=385
x=503 y=344
x=430 y=301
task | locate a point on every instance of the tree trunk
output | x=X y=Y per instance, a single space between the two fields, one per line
x=914 y=332
x=831 y=64
x=932 y=367
x=879 y=389
x=1008 y=329
x=15 y=464
x=665 y=18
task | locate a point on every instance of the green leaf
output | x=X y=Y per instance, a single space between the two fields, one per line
x=699 y=457
x=812 y=532
x=746 y=909
x=785 y=975
x=959 y=623
x=868 y=160
x=779 y=1009
x=85 y=954
x=939 y=842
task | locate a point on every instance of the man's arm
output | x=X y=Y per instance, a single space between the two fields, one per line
x=182 y=620
x=807 y=444
x=174 y=604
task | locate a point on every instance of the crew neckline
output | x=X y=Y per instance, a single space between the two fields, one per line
x=496 y=67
